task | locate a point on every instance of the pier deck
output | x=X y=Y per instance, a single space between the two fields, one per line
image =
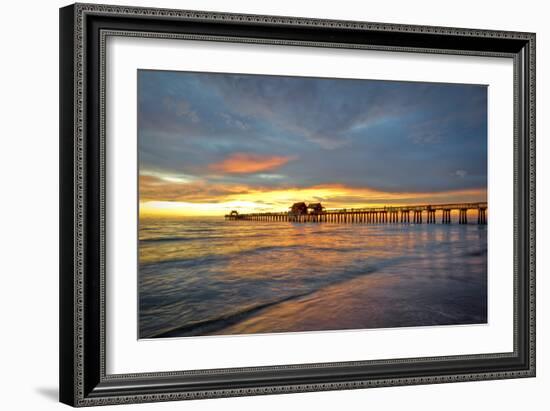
x=375 y=215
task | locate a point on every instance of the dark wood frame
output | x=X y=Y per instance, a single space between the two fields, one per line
x=83 y=30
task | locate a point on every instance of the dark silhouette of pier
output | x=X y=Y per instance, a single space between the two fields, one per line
x=316 y=213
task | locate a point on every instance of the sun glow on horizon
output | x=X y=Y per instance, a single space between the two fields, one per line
x=279 y=200
x=186 y=209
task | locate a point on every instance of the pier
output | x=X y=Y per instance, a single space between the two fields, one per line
x=410 y=214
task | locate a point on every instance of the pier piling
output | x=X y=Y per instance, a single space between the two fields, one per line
x=315 y=213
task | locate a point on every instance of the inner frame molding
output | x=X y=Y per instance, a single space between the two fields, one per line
x=83 y=32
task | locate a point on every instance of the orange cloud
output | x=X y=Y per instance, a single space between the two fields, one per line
x=153 y=188
x=246 y=163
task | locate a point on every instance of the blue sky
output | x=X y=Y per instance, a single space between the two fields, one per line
x=205 y=138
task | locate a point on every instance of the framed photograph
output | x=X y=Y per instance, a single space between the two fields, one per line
x=261 y=204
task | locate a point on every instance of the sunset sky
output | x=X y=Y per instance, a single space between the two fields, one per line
x=212 y=143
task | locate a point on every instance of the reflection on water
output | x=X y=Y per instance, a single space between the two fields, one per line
x=210 y=276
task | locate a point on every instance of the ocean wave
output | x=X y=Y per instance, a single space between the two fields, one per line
x=213 y=325
x=183 y=293
x=477 y=253
x=176 y=238
x=204 y=237
x=217 y=324
x=223 y=257
x=213 y=258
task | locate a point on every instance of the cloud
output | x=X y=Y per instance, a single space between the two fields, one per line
x=428 y=136
x=247 y=163
x=181 y=108
x=152 y=188
x=390 y=135
x=271 y=176
x=169 y=177
x=334 y=195
x=203 y=198
x=232 y=121
x=460 y=173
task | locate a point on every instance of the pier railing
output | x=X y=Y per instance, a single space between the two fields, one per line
x=376 y=215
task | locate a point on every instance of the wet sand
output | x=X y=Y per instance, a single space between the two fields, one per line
x=378 y=300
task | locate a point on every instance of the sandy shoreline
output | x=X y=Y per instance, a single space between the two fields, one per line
x=378 y=300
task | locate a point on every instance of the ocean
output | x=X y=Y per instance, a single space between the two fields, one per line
x=208 y=276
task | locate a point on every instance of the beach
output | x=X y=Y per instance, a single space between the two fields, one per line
x=207 y=276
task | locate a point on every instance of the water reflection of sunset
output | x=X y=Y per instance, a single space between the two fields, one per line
x=280 y=277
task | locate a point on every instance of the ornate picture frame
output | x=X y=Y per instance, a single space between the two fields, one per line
x=84 y=29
